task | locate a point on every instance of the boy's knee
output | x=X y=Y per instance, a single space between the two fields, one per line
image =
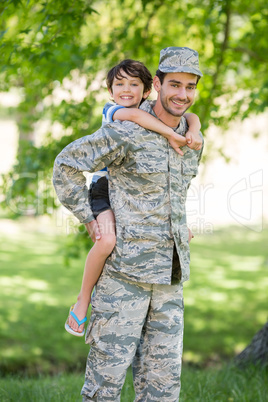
x=107 y=243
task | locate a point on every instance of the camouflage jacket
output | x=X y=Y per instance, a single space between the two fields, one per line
x=148 y=182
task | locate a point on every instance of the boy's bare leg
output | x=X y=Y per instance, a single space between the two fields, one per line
x=93 y=267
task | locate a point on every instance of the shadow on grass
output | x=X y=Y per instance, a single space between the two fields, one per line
x=225 y=299
x=36 y=293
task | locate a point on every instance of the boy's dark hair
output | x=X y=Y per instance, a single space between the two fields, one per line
x=162 y=75
x=134 y=69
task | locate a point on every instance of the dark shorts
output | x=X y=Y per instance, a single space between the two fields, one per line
x=99 y=196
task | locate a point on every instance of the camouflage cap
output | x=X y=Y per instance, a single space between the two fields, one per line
x=179 y=60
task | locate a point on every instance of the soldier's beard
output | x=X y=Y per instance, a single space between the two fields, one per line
x=174 y=111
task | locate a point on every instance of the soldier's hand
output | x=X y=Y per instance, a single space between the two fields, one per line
x=190 y=235
x=193 y=140
x=177 y=141
x=93 y=230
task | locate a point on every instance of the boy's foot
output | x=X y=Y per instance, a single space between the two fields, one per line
x=76 y=320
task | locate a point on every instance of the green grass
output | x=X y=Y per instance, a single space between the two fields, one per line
x=225 y=305
x=61 y=387
x=226 y=297
x=36 y=293
x=225 y=385
x=228 y=384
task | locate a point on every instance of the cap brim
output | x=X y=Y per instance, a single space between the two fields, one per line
x=181 y=69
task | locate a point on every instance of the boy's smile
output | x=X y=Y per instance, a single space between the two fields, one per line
x=127 y=91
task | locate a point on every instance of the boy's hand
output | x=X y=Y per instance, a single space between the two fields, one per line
x=177 y=141
x=93 y=230
x=193 y=140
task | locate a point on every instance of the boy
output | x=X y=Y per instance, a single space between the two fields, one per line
x=129 y=83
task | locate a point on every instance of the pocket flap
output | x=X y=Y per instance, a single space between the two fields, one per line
x=189 y=170
x=151 y=164
x=89 y=390
x=184 y=234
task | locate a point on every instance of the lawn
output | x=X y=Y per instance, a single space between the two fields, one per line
x=223 y=385
x=225 y=305
x=36 y=293
x=226 y=297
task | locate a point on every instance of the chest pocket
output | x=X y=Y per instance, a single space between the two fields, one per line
x=151 y=163
x=152 y=174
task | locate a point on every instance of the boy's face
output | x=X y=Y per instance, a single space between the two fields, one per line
x=128 y=91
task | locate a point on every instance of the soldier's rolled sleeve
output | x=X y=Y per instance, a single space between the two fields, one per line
x=87 y=154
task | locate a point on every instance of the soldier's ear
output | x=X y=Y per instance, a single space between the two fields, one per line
x=146 y=94
x=156 y=83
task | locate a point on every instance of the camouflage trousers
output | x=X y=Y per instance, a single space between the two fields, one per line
x=134 y=324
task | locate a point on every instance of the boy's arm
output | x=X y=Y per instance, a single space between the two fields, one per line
x=194 y=141
x=150 y=122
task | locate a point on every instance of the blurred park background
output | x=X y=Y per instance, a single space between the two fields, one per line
x=54 y=58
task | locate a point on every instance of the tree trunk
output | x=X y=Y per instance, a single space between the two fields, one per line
x=257 y=351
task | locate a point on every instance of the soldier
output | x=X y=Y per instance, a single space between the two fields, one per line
x=129 y=84
x=137 y=308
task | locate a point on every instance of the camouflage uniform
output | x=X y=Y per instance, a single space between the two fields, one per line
x=137 y=310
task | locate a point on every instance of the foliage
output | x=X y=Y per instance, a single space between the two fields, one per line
x=37 y=289
x=46 y=45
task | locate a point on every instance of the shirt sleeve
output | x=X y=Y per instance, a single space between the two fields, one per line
x=202 y=149
x=108 y=112
x=91 y=153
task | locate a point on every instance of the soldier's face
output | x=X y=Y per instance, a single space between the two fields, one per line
x=177 y=92
x=128 y=91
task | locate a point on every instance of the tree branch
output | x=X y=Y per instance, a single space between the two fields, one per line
x=249 y=52
x=224 y=45
x=220 y=61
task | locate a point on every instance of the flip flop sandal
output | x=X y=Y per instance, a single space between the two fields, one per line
x=79 y=322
